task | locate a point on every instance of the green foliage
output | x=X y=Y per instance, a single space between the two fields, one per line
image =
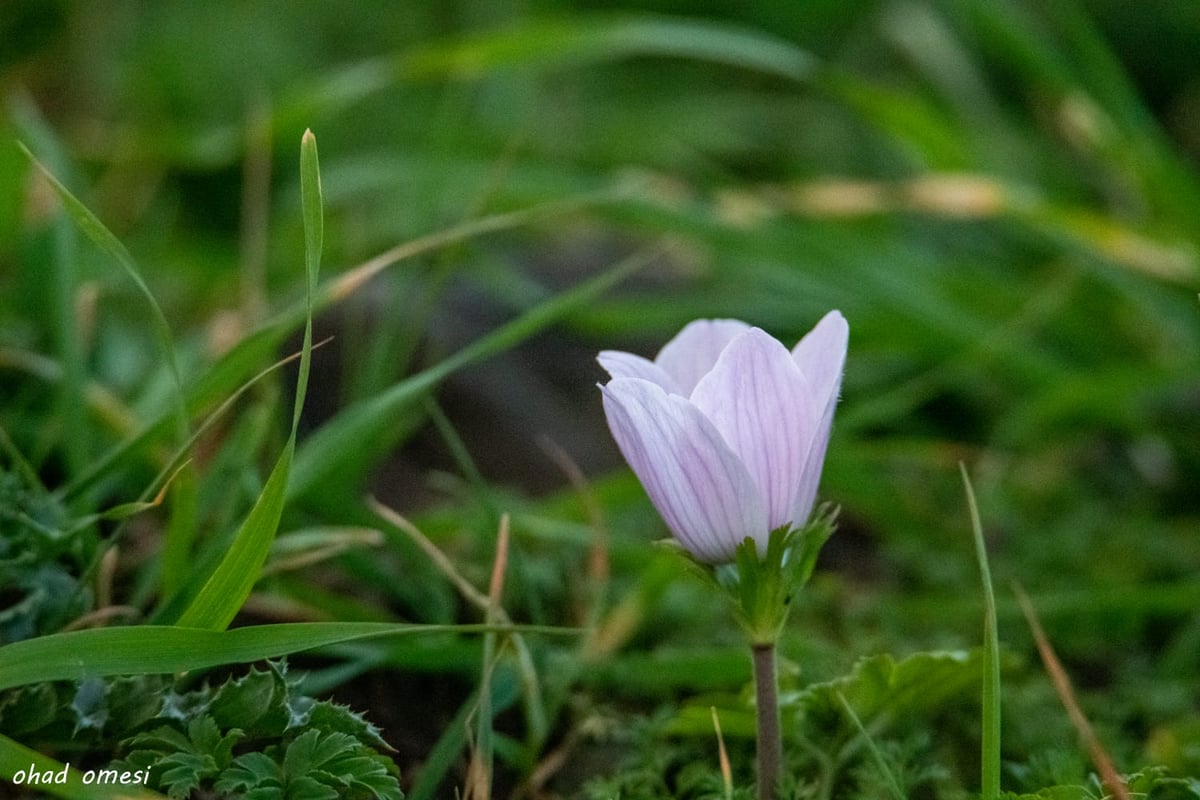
x=1000 y=196
x=256 y=733
x=882 y=689
x=41 y=558
x=1154 y=783
x=182 y=761
x=314 y=766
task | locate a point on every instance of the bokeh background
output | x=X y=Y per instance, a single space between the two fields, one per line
x=1001 y=197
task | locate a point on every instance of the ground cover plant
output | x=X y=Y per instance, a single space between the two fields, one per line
x=306 y=486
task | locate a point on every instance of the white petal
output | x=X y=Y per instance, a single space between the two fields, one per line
x=627 y=365
x=762 y=404
x=698 y=485
x=696 y=348
x=821 y=354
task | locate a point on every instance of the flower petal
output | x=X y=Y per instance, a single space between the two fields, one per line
x=762 y=404
x=696 y=348
x=627 y=365
x=821 y=355
x=696 y=482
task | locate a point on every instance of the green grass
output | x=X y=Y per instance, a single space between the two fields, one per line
x=203 y=439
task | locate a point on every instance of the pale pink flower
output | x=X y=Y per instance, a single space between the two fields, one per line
x=727 y=429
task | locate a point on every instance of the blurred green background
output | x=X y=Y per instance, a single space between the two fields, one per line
x=1001 y=197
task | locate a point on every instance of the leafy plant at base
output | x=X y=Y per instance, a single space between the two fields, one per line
x=313 y=766
x=182 y=761
x=293 y=746
x=256 y=734
x=41 y=557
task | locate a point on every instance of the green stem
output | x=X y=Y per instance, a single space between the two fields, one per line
x=766 y=701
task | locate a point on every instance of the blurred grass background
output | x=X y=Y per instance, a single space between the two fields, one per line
x=1002 y=197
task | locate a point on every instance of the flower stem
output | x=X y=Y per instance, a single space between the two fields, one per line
x=766 y=702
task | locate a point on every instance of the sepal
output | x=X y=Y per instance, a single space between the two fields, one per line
x=760 y=590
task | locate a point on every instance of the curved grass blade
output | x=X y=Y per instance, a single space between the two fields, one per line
x=64 y=268
x=103 y=238
x=222 y=595
x=260 y=346
x=881 y=762
x=180 y=531
x=166 y=649
x=557 y=43
x=990 y=777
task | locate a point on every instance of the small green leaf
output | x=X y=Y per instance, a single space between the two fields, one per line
x=329 y=716
x=251 y=773
x=182 y=763
x=252 y=702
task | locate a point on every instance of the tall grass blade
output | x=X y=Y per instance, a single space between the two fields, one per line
x=103 y=238
x=222 y=595
x=180 y=532
x=245 y=358
x=990 y=756
x=65 y=325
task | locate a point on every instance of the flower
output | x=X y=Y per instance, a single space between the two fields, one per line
x=726 y=429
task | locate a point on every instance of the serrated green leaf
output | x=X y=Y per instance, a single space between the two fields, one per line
x=335 y=761
x=180 y=762
x=880 y=687
x=206 y=737
x=313 y=750
x=244 y=702
x=162 y=739
x=1158 y=783
x=326 y=715
x=1053 y=793
x=181 y=773
x=133 y=701
x=250 y=773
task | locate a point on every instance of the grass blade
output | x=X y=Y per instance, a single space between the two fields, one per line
x=990 y=777
x=103 y=238
x=556 y=43
x=165 y=649
x=219 y=599
x=245 y=358
x=223 y=594
x=880 y=761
